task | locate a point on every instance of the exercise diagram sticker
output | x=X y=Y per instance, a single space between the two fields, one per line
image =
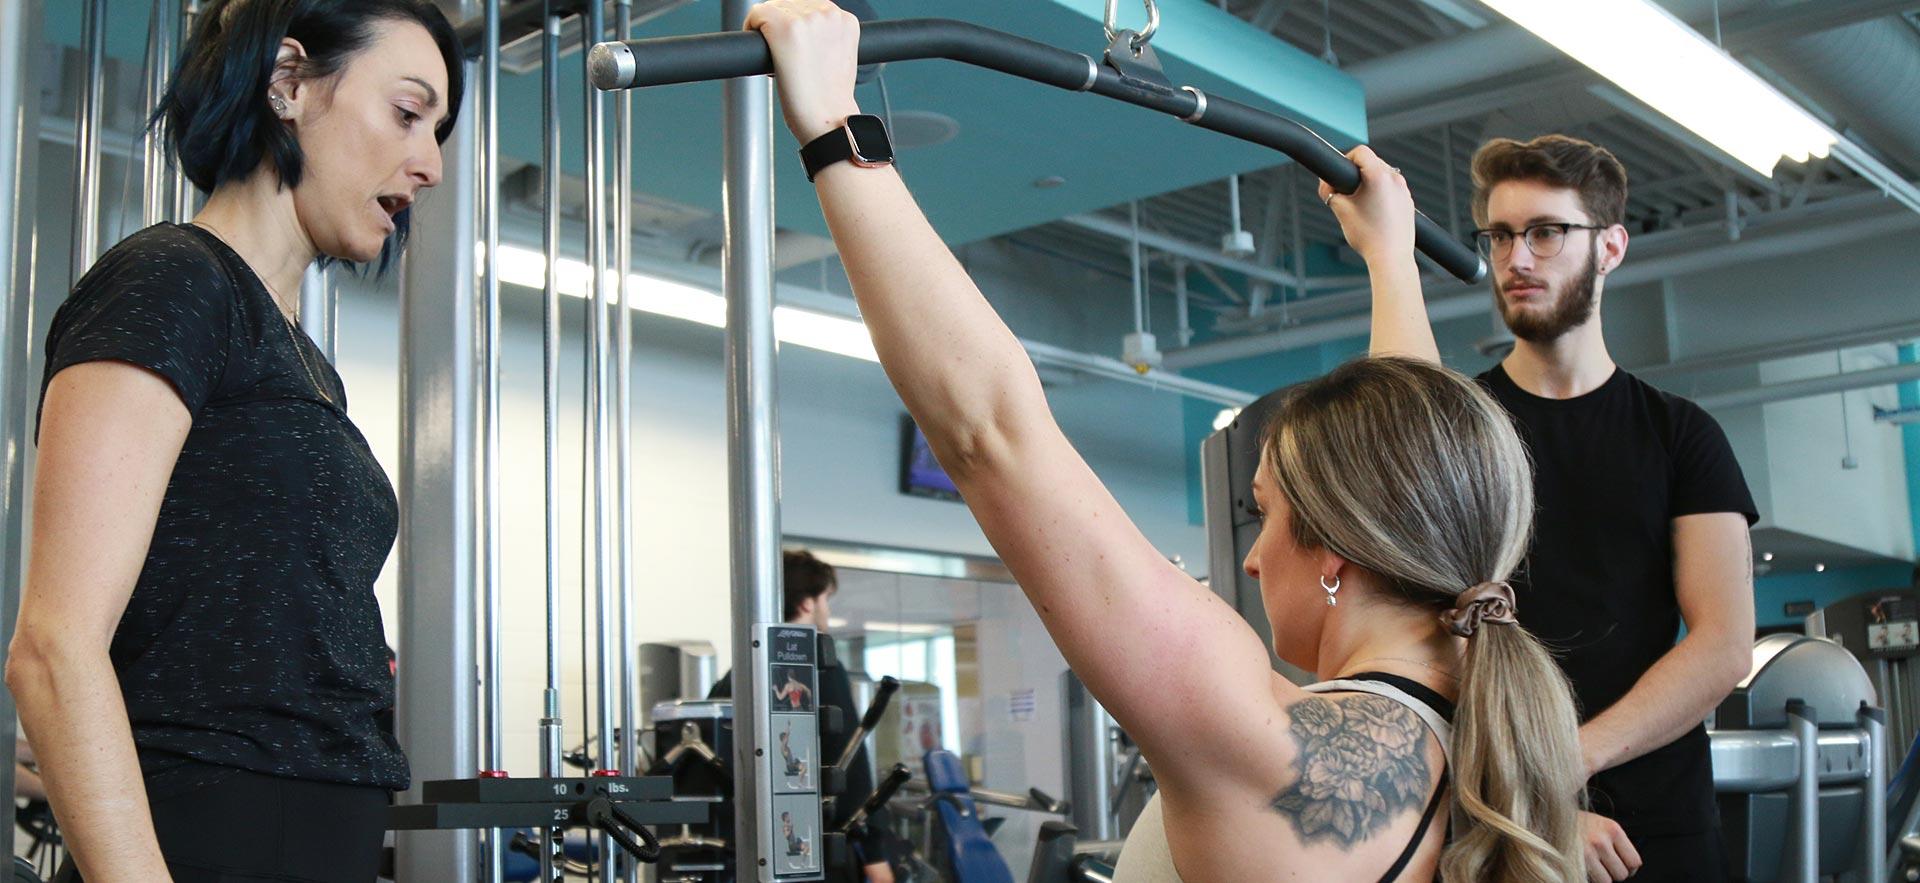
x=795 y=761
x=790 y=669
x=796 y=840
x=792 y=688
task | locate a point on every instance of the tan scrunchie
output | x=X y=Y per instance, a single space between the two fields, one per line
x=1486 y=602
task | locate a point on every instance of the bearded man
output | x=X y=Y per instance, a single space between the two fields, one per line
x=1643 y=510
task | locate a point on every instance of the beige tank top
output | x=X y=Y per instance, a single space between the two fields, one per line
x=1146 y=857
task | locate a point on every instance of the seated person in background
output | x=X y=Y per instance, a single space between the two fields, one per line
x=808 y=583
x=1397 y=500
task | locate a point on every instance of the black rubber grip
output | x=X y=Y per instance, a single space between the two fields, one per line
x=888 y=686
x=895 y=778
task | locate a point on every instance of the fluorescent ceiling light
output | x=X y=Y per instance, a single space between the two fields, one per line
x=906 y=628
x=528 y=268
x=1661 y=61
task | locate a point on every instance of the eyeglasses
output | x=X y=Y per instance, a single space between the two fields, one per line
x=1544 y=240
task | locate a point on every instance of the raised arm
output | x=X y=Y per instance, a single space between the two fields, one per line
x=1157 y=648
x=109 y=436
x=1377 y=220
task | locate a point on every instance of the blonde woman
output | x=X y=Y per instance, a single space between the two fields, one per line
x=1397 y=499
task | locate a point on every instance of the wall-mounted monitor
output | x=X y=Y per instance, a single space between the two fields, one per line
x=920 y=473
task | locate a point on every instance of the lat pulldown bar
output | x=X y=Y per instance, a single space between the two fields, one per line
x=662 y=61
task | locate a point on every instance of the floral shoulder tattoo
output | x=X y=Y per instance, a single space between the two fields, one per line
x=1362 y=762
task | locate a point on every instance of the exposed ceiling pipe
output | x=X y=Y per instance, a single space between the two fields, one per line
x=1204 y=257
x=1181 y=248
x=1440 y=68
x=1644 y=252
x=1455 y=301
x=1778 y=350
x=1812 y=386
x=1457 y=11
x=1214 y=352
x=1114 y=369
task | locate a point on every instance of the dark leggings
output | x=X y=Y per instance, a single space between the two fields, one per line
x=249 y=827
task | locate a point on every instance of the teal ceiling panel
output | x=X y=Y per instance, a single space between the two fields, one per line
x=1012 y=134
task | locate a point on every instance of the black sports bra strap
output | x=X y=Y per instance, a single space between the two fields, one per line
x=1419 y=833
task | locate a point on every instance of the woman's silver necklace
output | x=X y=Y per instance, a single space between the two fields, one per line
x=293 y=337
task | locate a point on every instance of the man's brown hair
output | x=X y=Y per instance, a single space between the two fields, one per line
x=1556 y=161
x=806 y=578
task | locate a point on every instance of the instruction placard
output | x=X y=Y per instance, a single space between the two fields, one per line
x=790 y=762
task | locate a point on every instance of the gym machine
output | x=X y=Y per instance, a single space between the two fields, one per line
x=1799 y=763
x=1881 y=629
x=1108 y=779
x=694 y=744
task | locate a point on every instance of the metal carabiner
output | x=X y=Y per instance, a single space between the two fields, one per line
x=1146 y=34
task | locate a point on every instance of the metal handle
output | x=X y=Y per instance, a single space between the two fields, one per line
x=662 y=61
x=620 y=826
x=888 y=686
x=1047 y=802
x=895 y=778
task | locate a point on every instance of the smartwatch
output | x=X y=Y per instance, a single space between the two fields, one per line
x=861 y=140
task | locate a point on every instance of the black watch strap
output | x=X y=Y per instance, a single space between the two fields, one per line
x=862 y=139
x=835 y=146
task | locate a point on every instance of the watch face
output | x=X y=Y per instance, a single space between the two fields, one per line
x=870 y=139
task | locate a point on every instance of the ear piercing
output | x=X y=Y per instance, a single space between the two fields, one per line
x=1331 y=600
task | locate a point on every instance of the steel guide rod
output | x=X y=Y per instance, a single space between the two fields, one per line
x=552 y=729
x=1873 y=834
x=318 y=312
x=600 y=403
x=487 y=205
x=752 y=470
x=623 y=422
x=183 y=190
x=665 y=60
x=1803 y=813
x=20 y=31
x=86 y=140
x=154 y=181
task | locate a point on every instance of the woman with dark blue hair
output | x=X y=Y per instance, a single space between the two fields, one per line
x=199 y=660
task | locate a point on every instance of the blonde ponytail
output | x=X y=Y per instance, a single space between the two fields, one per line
x=1416 y=474
x=1516 y=765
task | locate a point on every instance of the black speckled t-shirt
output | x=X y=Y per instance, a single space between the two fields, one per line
x=252 y=639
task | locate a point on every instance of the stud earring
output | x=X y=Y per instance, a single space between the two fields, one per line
x=279 y=106
x=1331 y=601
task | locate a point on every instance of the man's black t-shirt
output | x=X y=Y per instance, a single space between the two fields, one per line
x=1613 y=468
x=252 y=639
